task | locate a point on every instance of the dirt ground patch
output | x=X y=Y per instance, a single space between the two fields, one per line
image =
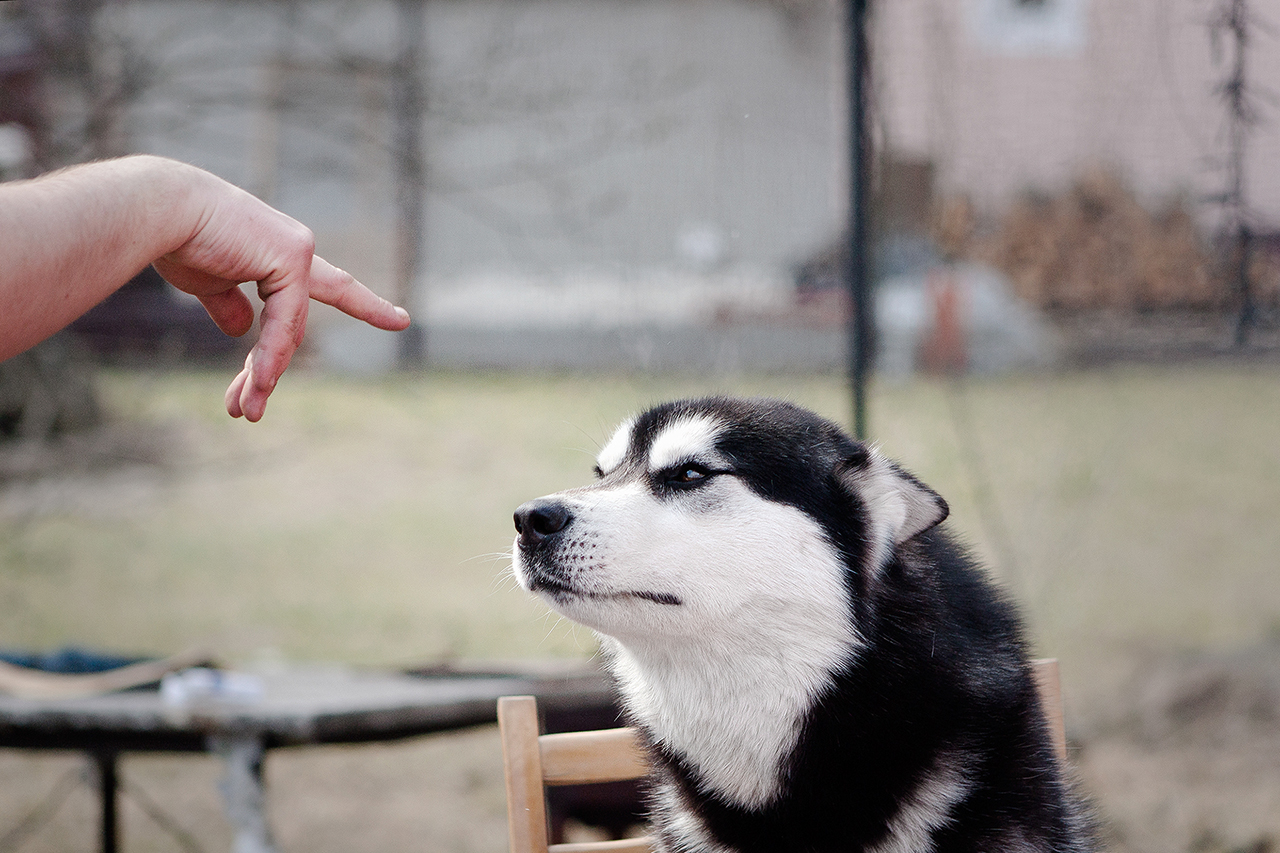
x=1188 y=757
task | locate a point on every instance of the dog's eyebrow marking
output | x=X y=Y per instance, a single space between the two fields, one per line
x=683 y=440
x=615 y=449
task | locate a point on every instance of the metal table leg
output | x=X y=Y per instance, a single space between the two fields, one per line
x=242 y=791
x=108 y=793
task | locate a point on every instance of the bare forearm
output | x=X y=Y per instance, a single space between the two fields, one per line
x=70 y=239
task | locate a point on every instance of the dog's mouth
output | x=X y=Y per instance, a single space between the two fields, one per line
x=666 y=599
x=562 y=592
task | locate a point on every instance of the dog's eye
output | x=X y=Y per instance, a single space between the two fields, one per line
x=687 y=475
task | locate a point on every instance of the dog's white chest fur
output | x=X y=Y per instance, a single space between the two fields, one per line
x=730 y=700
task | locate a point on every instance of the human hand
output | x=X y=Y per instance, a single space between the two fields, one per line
x=239 y=239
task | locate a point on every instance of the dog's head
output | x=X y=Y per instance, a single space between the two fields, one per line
x=712 y=515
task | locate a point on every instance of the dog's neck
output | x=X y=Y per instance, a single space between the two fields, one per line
x=731 y=709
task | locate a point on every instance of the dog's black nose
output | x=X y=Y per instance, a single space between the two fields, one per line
x=536 y=520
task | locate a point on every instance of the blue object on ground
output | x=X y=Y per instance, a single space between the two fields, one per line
x=69 y=660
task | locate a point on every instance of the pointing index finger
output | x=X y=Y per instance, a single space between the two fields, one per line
x=340 y=289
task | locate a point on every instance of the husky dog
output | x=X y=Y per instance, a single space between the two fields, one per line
x=814 y=664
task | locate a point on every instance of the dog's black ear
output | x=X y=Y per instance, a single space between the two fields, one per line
x=898 y=505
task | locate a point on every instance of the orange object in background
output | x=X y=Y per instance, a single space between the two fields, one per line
x=944 y=349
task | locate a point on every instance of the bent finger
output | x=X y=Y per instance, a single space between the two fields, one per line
x=234 y=390
x=230 y=310
x=226 y=303
x=284 y=321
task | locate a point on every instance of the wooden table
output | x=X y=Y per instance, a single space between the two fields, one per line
x=297 y=707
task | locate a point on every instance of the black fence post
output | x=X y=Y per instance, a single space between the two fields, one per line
x=856 y=267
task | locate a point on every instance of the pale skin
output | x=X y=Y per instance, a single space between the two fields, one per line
x=71 y=238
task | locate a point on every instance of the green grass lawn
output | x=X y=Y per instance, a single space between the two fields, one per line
x=368 y=520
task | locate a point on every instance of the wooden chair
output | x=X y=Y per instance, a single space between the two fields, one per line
x=535 y=761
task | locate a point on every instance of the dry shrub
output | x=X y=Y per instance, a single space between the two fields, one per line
x=1095 y=246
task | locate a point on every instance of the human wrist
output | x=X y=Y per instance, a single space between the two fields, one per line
x=171 y=198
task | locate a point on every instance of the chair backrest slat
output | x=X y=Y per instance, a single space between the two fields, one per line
x=625 y=845
x=587 y=758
